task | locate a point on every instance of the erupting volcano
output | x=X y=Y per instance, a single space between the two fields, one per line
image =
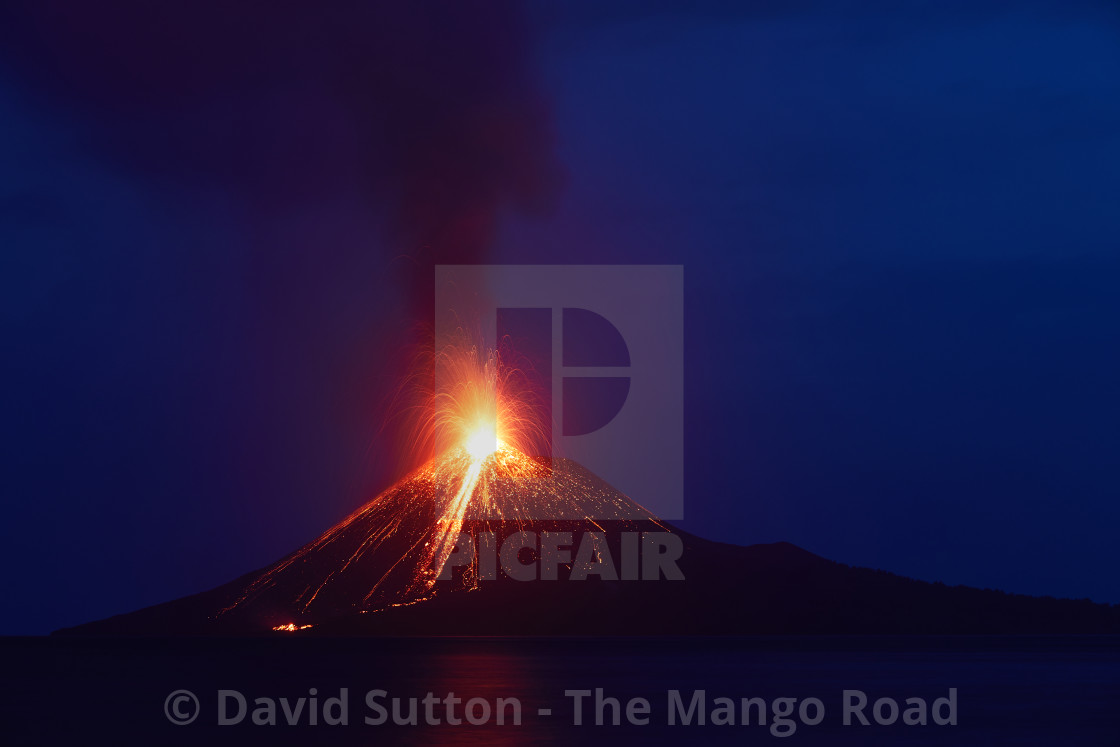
x=392 y=550
x=422 y=557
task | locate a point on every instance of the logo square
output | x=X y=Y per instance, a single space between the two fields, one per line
x=602 y=349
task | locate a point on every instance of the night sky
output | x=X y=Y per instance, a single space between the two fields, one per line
x=899 y=225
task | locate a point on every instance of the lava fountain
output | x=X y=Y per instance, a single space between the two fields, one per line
x=490 y=469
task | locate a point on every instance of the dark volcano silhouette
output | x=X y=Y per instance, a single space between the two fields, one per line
x=372 y=574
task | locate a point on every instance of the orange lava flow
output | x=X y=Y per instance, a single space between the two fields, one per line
x=482 y=407
x=484 y=423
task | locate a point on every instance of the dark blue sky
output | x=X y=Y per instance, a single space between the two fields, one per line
x=898 y=225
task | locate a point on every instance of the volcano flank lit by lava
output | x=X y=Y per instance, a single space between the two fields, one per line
x=484 y=479
x=421 y=558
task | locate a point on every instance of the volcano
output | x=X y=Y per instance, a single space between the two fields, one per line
x=413 y=561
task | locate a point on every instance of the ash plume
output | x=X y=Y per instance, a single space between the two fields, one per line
x=426 y=110
x=349 y=146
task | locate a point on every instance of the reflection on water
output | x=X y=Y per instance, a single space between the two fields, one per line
x=1010 y=690
x=490 y=674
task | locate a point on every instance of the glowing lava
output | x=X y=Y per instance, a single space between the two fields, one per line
x=482 y=441
x=485 y=425
x=291 y=628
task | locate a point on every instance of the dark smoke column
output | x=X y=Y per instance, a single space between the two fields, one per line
x=420 y=118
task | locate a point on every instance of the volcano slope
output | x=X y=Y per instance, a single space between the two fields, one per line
x=378 y=573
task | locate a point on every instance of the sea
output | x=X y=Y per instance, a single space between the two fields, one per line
x=297 y=689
